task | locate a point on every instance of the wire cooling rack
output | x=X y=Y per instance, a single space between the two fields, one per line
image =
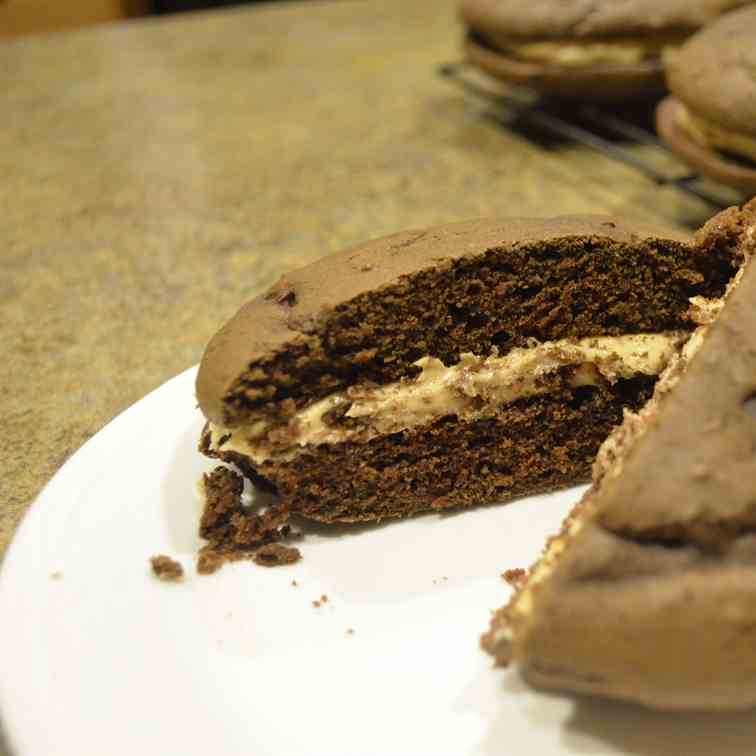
x=589 y=124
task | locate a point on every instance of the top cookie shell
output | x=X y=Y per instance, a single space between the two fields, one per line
x=714 y=72
x=302 y=301
x=576 y=19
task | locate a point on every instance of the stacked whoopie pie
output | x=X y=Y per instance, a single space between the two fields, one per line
x=704 y=51
x=709 y=119
x=583 y=48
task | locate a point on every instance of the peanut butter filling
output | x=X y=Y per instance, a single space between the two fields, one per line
x=472 y=389
x=578 y=53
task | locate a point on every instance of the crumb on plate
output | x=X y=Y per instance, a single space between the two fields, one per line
x=166 y=568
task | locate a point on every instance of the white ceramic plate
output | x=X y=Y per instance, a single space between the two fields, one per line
x=99 y=658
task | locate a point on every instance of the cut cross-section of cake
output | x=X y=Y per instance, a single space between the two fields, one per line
x=649 y=592
x=455 y=366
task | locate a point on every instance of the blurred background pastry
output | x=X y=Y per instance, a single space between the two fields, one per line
x=709 y=119
x=581 y=48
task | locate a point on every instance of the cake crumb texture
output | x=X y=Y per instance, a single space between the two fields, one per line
x=514 y=577
x=275 y=554
x=234 y=531
x=166 y=568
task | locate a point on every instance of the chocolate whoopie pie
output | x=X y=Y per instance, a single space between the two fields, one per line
x=582 y=48
x=709 y=119
x=649 y=592
x=455 y=366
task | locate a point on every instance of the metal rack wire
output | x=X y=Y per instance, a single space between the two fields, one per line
x=583 y=123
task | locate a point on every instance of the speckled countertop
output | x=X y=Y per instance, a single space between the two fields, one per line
x=156 y=174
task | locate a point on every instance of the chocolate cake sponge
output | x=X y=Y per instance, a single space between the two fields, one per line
x=453 y=366
x=649 y=592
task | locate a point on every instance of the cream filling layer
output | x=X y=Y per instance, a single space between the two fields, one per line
x=471 y=389
x=581 y=53
x=708 y=134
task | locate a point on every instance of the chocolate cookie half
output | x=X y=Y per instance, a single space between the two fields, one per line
x=710 y=118
x=454 y=366
x=582 y=48
x=649 y=592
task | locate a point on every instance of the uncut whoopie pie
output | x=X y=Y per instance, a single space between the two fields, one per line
x=709 y=119
x=582 y=48
x=450 y=367
x=649 y=592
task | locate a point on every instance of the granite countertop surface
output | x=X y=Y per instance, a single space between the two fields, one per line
x=158 y=173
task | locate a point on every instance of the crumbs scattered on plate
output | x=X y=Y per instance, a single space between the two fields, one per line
x=514 y=577
x=274 y=554
x=166 y=569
